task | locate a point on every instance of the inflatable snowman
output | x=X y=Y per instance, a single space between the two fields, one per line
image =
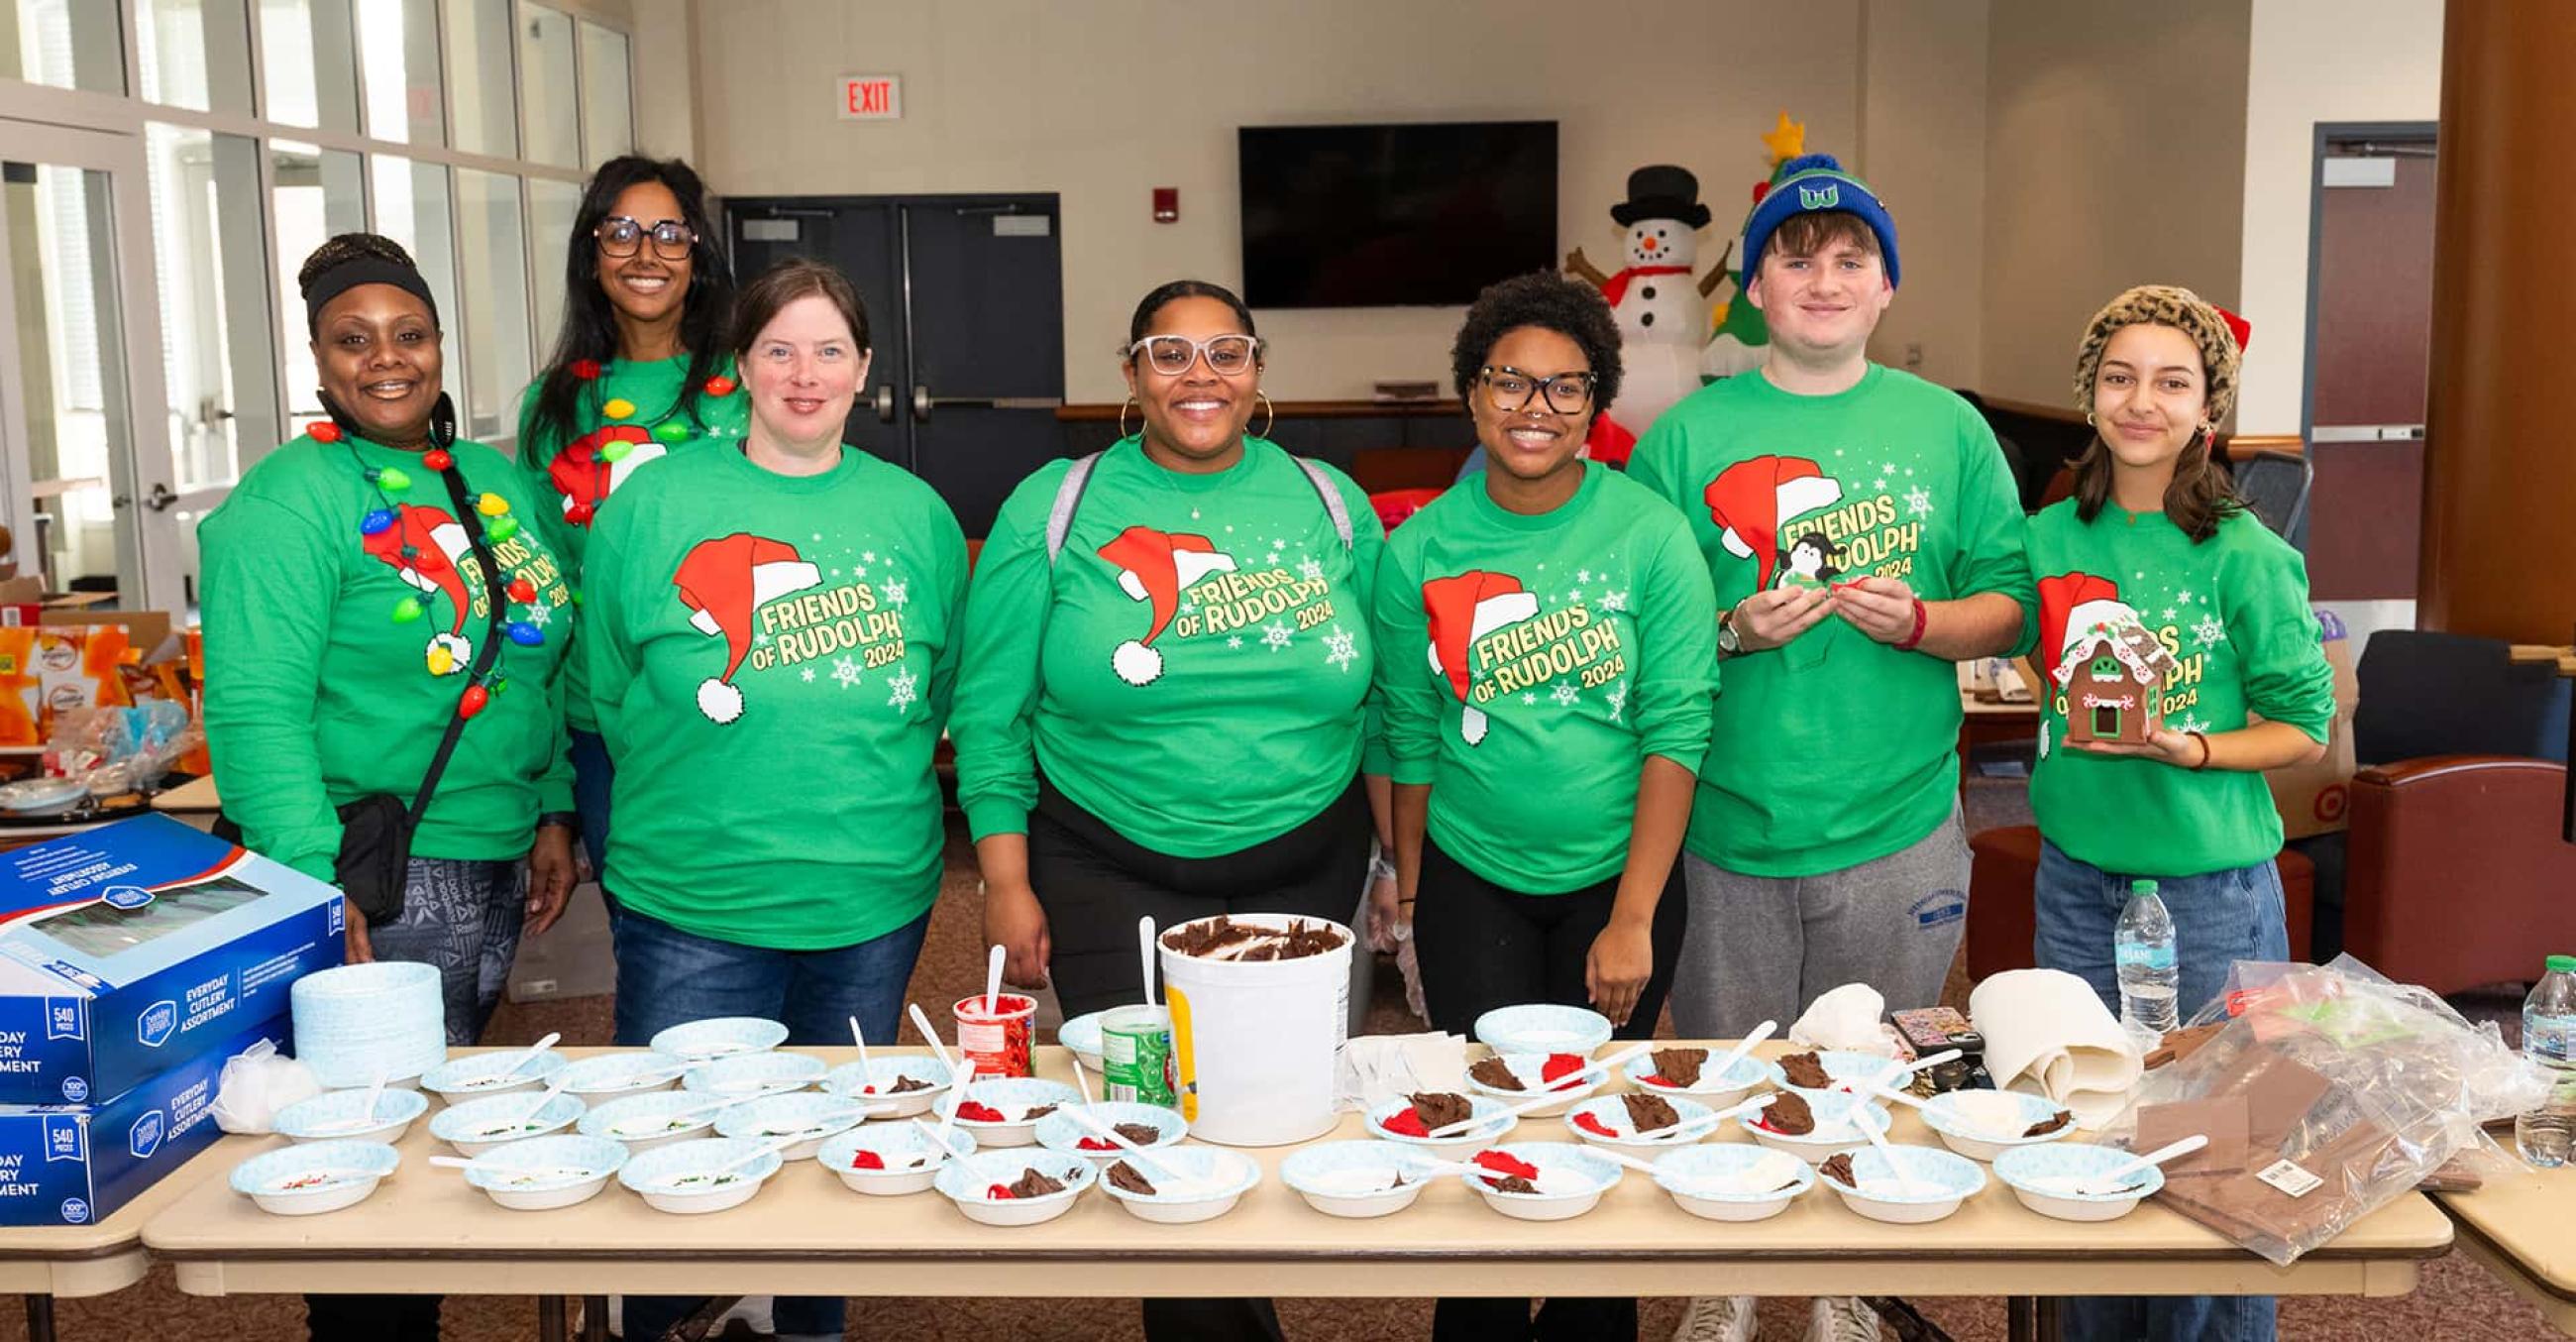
x=1662 y=310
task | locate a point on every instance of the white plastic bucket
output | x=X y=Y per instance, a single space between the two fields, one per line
x=1257 y=1046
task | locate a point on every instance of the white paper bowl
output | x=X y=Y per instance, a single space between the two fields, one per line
x=1526 y=1066
x=479 y=1076
x=1060 y=1131
x=2026 y=1169
x=1350 y=1178
x=1560 y=1158
x=457 y=1124
x=1827 y=1138
x=852 y=1080
x=1541 y=1027
x=720 y=1037
x=1612 y=1112
x=647 y=1169
x=754 y=1074
x=261 y=1177
x=964 y=1182
x=1011 y=1096
x=1222 y=1178
x=606 y=1076
x=602 y=1121
x=1955 y=1116
x=1716 y=1090
x=1689 y=1174
x=1849 y=1069
x=319 y=1119
x=896 y=1144
x=1942 y=1181
x=1479 y=1108
x=812 y=1119
x=1081 y=1036
x=597 y=1158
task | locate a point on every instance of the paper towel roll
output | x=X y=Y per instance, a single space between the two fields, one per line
x=2048 y=1034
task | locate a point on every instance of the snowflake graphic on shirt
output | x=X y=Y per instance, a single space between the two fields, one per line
x=1617 y=696
x=1918 y=502
x=1310 y=569
x=1276 y=635
x=902 y=686
x=845 y=671
x=2210 y=631
x=1565 y=694
x=1341 y=647
x=1614 y=602
x=896 y=593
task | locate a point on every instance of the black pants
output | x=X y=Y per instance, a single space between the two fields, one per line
x=371 y=1318
x=1483 y=946
x=1095 y=884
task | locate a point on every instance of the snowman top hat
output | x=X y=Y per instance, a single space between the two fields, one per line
x=1661 y=191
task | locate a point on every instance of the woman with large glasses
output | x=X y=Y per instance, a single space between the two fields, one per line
x=1550 y=648
x=1165 y=703
x=638 y=370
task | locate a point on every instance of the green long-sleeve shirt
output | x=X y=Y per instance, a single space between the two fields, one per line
x=316 y=694
x=2232 y=615
x=1529 y=666
x=771 y=658
x=1836 y=749
x=1193 y=669
x=575 y=480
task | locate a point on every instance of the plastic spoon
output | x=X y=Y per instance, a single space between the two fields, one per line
x=535 y=1051
x=366 y=1116
x=860 y=1038
x=679 y=1183
x=1743 y=1046
x=1699 y=1127
x=1082 y=1084
x=938 y=1050
x=1904 y=1182
x=2110 y=1181
x=956 y=1086
x=492 y=1167
x=1178 y=1180
x=1145 y=954
x=1909 y=1069
x=627 y=1129
x=993 y=981
x=544 y=1098
x=1555 y=1095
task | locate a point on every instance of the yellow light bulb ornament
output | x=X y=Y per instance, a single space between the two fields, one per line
x=491 y=505
x=618 y=407
x=441 y=661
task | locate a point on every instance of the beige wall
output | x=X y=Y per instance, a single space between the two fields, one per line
x=666 y=102
x=2114 y=156
x=2312 y=61
x=1101 y=102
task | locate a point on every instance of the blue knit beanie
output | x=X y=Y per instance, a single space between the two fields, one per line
x=1816 y=183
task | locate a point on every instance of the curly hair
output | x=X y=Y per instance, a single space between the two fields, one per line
x=1550 y=302
x=2200 y=495
x=345 y=247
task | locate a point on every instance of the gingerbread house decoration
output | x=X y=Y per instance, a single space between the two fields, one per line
x=2112 y=671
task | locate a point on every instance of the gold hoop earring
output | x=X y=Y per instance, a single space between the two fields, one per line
x=2088 y=420
x=1269 y=415
x=1122 y=417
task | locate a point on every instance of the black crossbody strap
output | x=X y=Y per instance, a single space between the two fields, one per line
x=467 y=517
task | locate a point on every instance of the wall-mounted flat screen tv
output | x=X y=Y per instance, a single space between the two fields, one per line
x=1394 y=215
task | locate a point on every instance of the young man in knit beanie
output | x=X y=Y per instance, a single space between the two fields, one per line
x=1825 y=846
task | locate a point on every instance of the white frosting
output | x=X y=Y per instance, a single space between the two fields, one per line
x=1353 y=1183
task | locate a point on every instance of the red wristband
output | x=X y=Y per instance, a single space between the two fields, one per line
x=1922 y=617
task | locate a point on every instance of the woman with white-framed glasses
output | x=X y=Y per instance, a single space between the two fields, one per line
x=1548 y=641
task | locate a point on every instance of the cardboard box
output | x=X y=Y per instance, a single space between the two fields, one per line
x=131 y=948
x=71 y=1164
x=2314 y=797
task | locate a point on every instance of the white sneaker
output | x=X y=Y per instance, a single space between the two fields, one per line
x=1717 y=1318
x=1842 y=1318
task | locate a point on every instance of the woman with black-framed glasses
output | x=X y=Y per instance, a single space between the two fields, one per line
x=638 y=370
x=1549 y=640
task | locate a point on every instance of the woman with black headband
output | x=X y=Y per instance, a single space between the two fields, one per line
x=367 y=585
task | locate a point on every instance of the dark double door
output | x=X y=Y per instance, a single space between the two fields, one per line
x=965 y=304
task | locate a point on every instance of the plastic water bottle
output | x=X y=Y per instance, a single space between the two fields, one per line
x=2150 y=977
x=2549 y=1038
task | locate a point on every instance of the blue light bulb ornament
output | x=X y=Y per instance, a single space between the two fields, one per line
x=526 y=635
x=376 y=522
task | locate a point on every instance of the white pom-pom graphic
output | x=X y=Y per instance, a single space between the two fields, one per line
x=1135 y=663
x=1471 y=724
x=460 y=653
x=721 y=702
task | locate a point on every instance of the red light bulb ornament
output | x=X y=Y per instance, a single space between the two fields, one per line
x=324 y=432
x=522 y=591
x=720 y=385
x=586 y=369
x=472 y=701
x=437 y=459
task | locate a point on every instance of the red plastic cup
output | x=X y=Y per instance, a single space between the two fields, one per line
x=993 y=1035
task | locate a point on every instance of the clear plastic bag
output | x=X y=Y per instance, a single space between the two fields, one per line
x=114 y=750
x=2328 y=1092
x=256 y=1083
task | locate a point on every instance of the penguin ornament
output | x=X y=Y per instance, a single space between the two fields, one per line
x=1661 y=309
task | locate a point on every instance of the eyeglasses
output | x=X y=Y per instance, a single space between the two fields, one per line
x=1510 y=389
x=1172 y=355
x=621 y=236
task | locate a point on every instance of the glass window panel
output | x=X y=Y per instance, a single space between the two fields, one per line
x=546 y=81
x=552 y=206
x=62 y=257
x=309 y=63
x=70 y=44
x=319 y=193
x=607 y=103
x=411 y=208
x=478 y=68
x=195 y=53
x=207 y=253
x=398 y=65
x=492 y=243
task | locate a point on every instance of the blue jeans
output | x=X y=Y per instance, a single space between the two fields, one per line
x=592 y=772
x=667 y=977
x=2219 y=918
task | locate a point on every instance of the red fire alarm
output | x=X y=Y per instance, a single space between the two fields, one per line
x=1167 y=204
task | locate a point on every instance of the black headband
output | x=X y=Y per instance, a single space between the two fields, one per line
x=358 y=270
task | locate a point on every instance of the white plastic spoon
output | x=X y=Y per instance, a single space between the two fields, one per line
x=1696 y=1128
x=2110 y=1181
x=1743 y=1046
x=860 y=1038
x=496 y=1167
x=1082 y=1084
x=1905 y=1185
x=956 y=1087
x=632 y=1128
x=1145 y=954
x=546 y=1097
x=993 y=982
x=938 y=1050
x=535 y=1051
x=679 y=1183
x=366 y=1116
x=1179 y=1182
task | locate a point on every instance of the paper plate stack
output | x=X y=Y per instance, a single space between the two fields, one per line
x=357 y=1022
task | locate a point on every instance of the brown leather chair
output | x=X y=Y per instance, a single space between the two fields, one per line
x=2456 y=875
x=2003 y=872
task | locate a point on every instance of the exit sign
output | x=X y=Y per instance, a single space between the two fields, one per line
x=871 y=97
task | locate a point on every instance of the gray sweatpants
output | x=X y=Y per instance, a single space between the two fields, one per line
x=1766 y=947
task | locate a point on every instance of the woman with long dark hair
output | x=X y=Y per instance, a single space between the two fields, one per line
x=638 y=370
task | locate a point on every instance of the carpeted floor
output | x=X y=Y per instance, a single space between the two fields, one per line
x=2458 y=1299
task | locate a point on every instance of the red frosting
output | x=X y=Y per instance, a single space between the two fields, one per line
x=973 y=1112
x=1594 y=1126
x=1095 y=1144
x=1656 y=1081
x=999 y=1192
x=1406 y=1123
x=867 y=1160
x=1503 y=1162
x=1560 y=1064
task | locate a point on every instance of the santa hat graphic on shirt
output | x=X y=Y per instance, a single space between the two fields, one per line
x=437 y=545
x=1750 y=499
x=2077 y=602
x=1153 y=567
x=1463 y=609
x=585 y=479
x=722 y=582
